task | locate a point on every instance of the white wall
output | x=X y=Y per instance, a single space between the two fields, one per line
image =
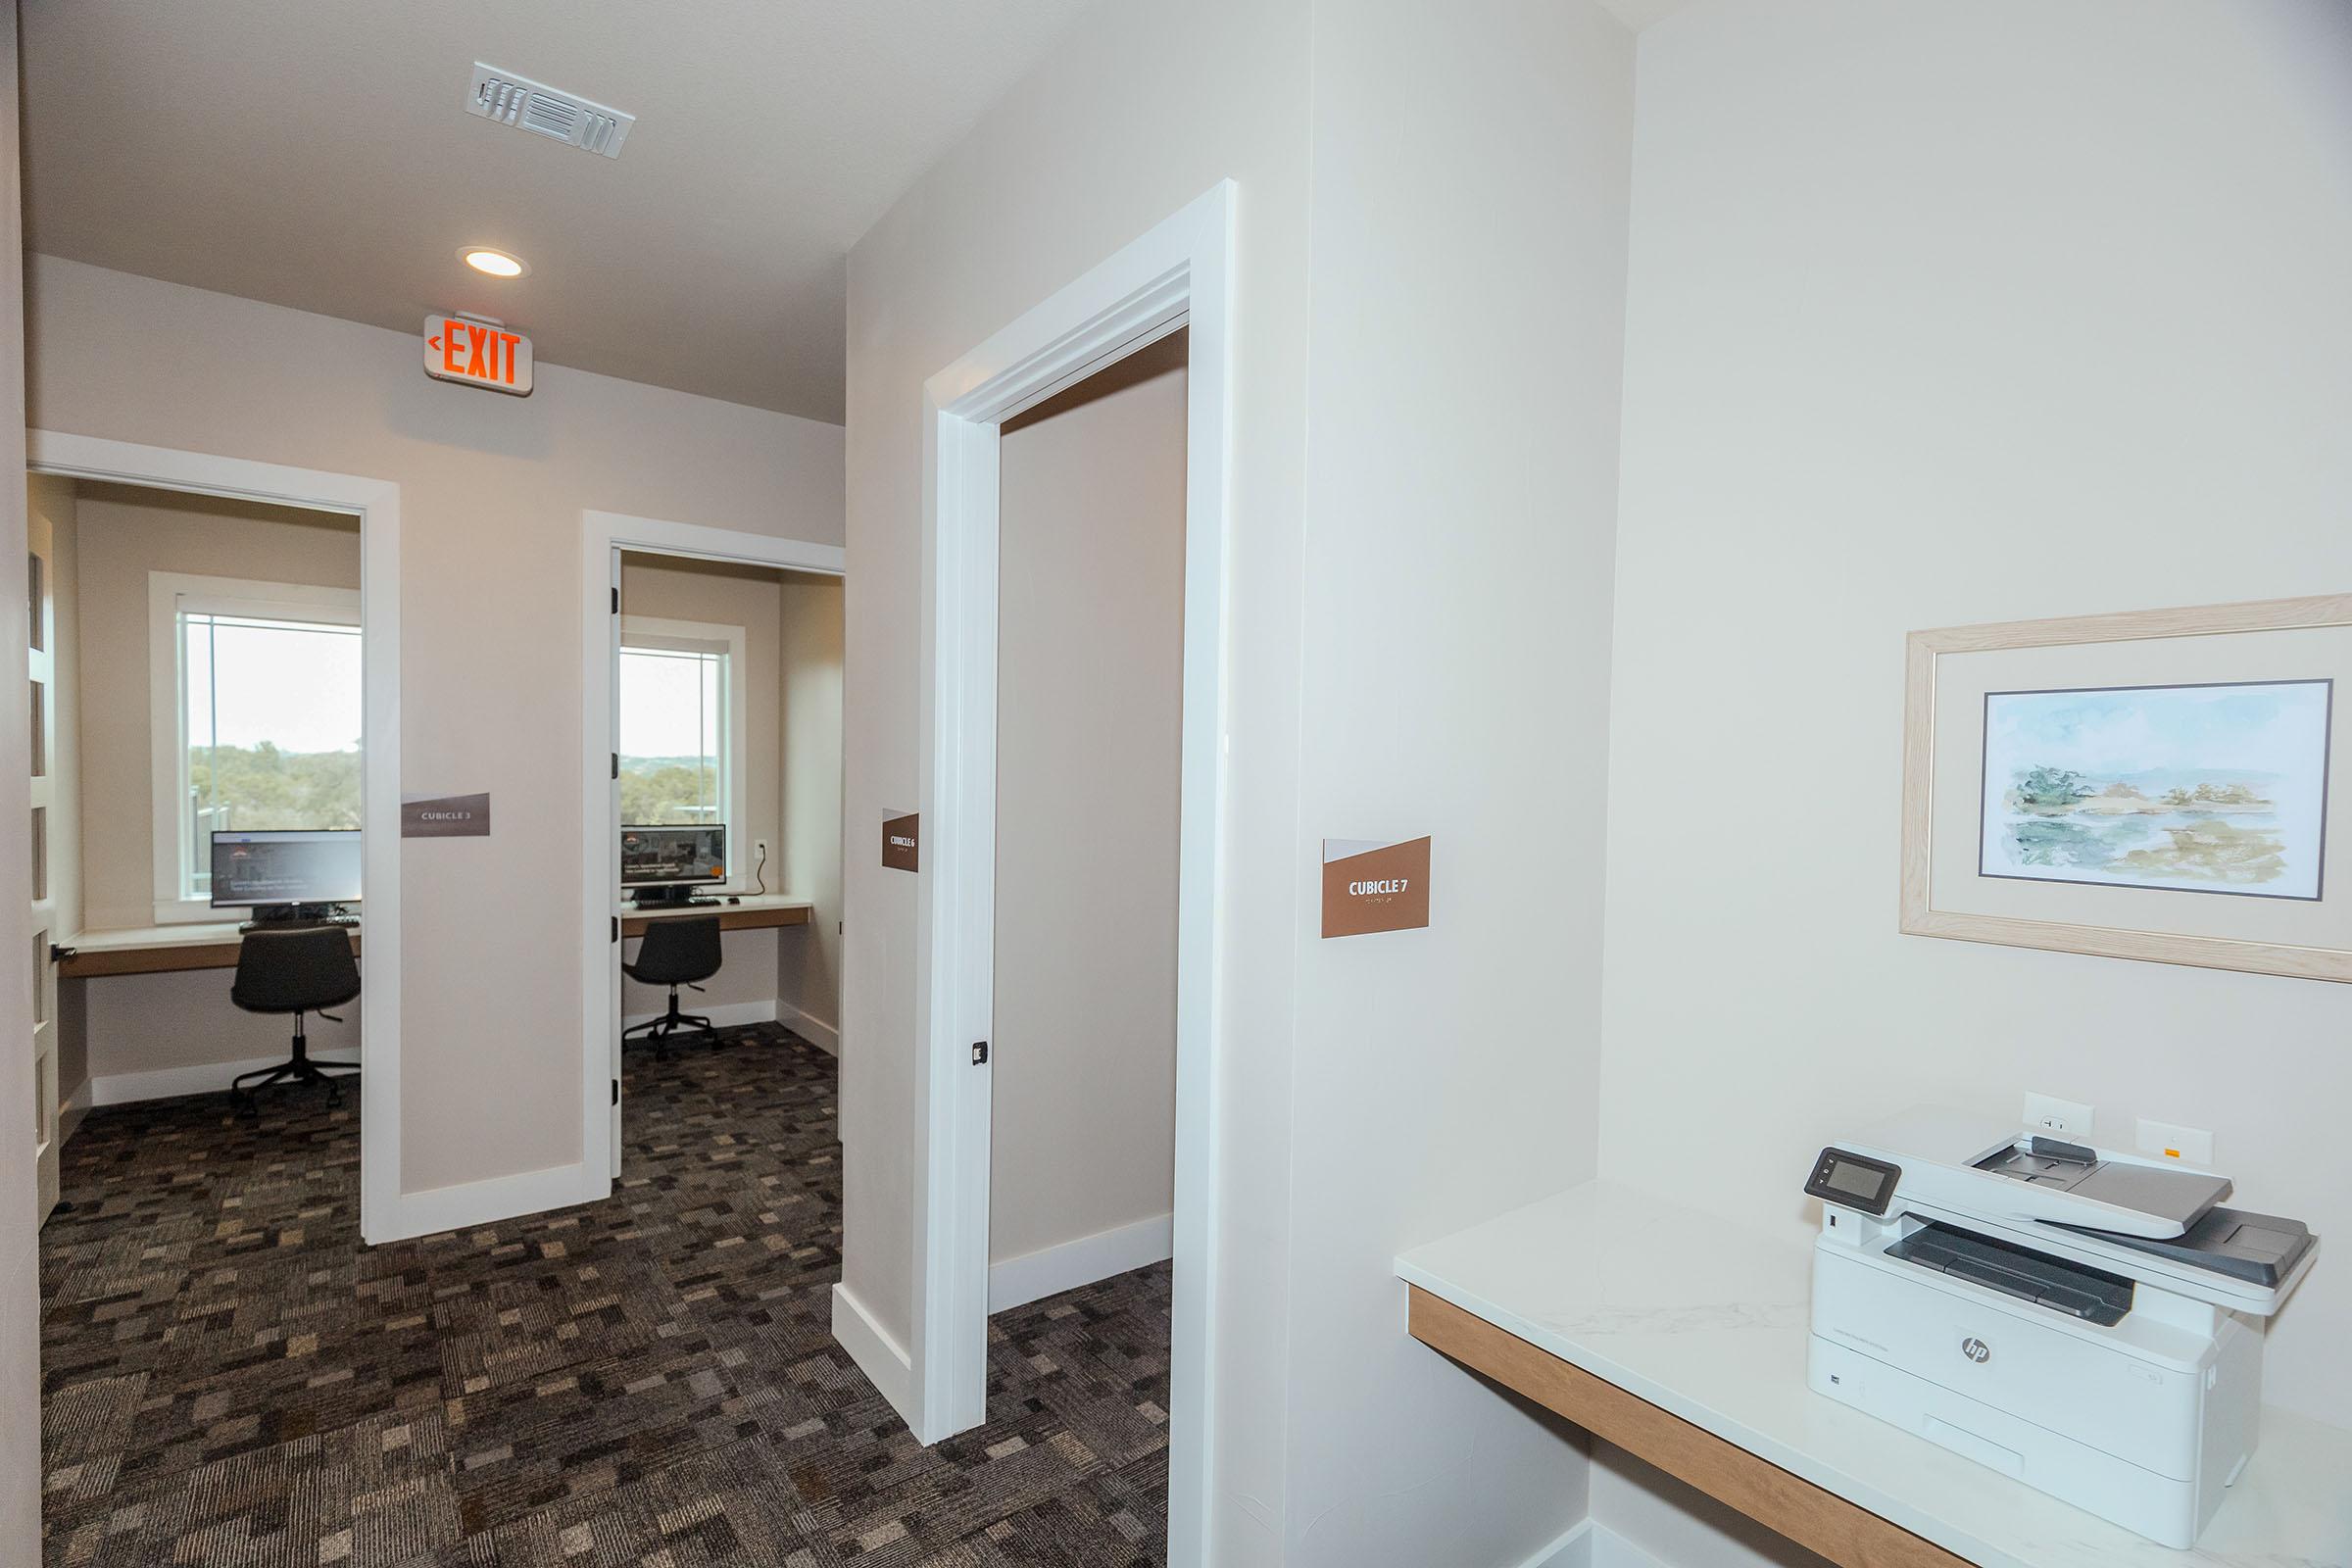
x=1019 y=209
x=19 y=1235
x=1090 y=683
x=808 y=956
x=1945 y=315
x=1469 y=274
x=492 y=491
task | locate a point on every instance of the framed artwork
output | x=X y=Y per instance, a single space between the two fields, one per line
x=2167 y=785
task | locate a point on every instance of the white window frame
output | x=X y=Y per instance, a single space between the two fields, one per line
x=654 y=633
x=168 y=593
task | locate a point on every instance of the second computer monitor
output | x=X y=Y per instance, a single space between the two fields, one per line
x=672 y=857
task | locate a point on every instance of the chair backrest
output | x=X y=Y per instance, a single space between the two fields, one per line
x=679 y=950
x=295 y=970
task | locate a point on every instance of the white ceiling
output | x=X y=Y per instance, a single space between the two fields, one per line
x=315 y=154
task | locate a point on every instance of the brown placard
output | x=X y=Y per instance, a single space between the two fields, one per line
x=1370 y=886
x=903 y=842
x=445 y=816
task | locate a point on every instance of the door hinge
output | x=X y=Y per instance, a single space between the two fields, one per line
x=979 y=1053
x=616 y=1091
x=617 y=765
x=58 y=954
x=616 y=600
x=617 y=928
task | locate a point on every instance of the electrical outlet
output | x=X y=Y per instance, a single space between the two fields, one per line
x=2191 y=1145
x=2065 y=1118
x=759 y=852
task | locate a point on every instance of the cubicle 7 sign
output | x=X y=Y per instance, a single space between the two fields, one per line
x=477 y=352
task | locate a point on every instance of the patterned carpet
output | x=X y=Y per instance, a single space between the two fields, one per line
x=230 y=1380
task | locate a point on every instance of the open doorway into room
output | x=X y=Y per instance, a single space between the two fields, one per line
x=1089 y=677
x=723 y=832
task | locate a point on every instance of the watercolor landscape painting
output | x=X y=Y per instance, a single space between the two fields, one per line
x=2208 y=788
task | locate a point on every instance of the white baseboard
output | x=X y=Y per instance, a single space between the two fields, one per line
x=1051 y=1270
x=723 y=1016
x=70 y=1115
x=883 y=1359
x=211 y=1078
x=823 y=1035
x=486 y=1202
x=1575 y=1549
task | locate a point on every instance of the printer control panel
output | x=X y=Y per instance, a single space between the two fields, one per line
x=1853 y=1181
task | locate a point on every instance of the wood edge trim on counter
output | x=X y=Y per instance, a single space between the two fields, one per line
x=163 y=957
x=729 y=919
x=1821 y=1521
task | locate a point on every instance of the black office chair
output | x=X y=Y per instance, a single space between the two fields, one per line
x=303 y=970
x=675 y=952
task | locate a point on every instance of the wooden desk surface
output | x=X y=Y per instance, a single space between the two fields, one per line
x=1680 y=1337
x=755 y=912
x=214 y=944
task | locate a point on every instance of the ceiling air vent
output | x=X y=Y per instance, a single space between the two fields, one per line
x=527 y=105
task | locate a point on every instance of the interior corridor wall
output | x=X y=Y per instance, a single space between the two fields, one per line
x=1931 y=326
x=1019 y=209
x=1468 y=288
x=1090 y=727
x=492 y=492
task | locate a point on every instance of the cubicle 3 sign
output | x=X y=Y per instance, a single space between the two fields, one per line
x=1373 y=886
x=903 y=843
x=478 y=354
x=445 y=816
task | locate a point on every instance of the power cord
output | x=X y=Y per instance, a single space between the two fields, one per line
x=759 y=871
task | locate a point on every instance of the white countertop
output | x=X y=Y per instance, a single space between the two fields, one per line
x=181 y=934
x=1706 y=1319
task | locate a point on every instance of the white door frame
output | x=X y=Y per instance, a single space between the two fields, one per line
x=605 y=534
x=1177 y=274
x=386 y=1213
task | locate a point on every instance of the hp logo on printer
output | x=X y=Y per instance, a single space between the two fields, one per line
x=1976 y=1349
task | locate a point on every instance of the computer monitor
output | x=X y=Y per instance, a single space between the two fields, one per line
x=286 y=869
x=663 y=864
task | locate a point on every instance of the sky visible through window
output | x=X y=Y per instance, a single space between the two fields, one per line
x=294 y=685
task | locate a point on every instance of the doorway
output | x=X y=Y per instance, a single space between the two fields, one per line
x=207 y=746
x=712 y=673
x=1175 y=276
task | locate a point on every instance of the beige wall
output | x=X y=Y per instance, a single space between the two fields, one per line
x=808 y=956
x=19 y=1235
x=1016 y=211
x=2022 y=330
x=1089 y=579
x=1417 y=641
x=127 y=534
x=492 y=491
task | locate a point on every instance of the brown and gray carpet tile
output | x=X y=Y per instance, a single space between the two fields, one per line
x=232 y=1379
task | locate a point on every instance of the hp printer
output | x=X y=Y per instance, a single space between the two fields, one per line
x=2085 y=1321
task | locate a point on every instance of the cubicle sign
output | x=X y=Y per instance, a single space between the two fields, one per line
x=445 y=816
x=1369 y=884
x=480 y=354
x=903 y=843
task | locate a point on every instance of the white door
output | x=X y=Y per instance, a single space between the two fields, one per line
x=42 y=664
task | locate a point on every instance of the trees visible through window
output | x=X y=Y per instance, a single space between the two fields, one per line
x=271 y=713
x=674 y=741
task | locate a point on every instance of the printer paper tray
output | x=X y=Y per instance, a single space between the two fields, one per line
x=2089 y=1293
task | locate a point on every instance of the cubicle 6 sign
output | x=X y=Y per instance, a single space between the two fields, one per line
x=2159 y=785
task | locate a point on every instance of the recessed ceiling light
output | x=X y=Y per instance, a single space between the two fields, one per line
x=498 y=264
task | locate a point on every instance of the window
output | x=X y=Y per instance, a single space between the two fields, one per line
x=257 y=719
x=681 y=730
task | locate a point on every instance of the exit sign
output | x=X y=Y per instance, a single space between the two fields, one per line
x=478 y=354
